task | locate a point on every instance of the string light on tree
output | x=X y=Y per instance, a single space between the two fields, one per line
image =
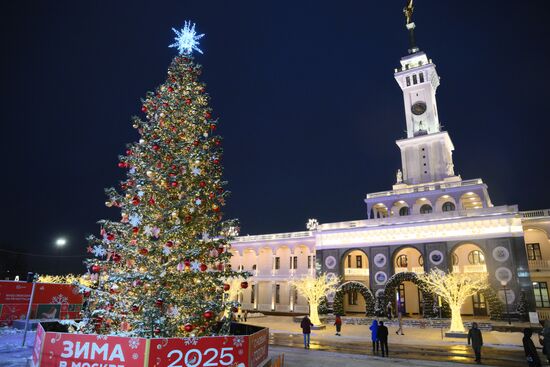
x=315 y=289
x=455 y=288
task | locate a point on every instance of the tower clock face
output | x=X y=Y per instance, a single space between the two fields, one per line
x=418 y=108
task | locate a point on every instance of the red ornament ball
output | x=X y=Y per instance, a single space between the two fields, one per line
x=156 y=147
x=110 y=236
x=135 y=308
x=187 y=262
x=151 y=201
x=169 y=244
x=95 y=269
x=116 y=258
x=174 y=184
x=87 y=293
x=135 y=229
x=143 y=251
x=188 y=328
x=143 y=109
x=208 y=314
x=244 y=285
x=207 y=115
x=226 y=287
x=204 y=267
x=202 y=184
x=157 y=330
x=159 y=302
x=135 y=200
x=122 y=164
x=187 y=101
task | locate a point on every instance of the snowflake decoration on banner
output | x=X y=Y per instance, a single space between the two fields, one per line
x=102 y=337
x=187 y=40
x=193 y=340
x=135 y=356
x=195 y=265
x=59 y=299
x=133 y=343
x=238 y=341
x=99 y=251
x=134 y=220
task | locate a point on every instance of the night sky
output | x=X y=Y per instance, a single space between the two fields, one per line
x=304 y=91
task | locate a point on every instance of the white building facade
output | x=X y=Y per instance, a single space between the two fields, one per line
x=431 y=218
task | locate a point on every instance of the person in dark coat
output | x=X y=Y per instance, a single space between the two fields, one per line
x=544 y=339
x=389 y=310
x=476 y=340
x=531 y=354
x=338 y=324
x=382 y=335
x=374 y=336
x=306 y=330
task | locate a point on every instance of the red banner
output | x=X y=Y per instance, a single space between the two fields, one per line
x=212 y=351
x=69 y=350
x=52 y=349
x=258 y=351
x=51 y=301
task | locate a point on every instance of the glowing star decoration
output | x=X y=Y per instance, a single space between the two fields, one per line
x=312 y=224
x=187 y=40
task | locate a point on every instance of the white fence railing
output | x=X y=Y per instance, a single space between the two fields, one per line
x=535 y=213
x=414 y=269
x=356 y=272
x=480 y=268
x=539 y=264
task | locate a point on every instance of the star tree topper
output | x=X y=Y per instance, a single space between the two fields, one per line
x=187 y=40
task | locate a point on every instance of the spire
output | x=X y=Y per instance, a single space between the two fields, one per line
x=409 y=24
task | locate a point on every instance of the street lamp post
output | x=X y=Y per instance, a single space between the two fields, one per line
x=503 y=283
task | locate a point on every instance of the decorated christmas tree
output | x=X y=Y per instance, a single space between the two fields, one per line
x=162 y=269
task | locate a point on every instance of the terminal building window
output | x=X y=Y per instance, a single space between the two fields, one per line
x=541 y=294
x=533 y=251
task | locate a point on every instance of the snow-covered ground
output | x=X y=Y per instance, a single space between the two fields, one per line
x=285 y=324
x=12 y=353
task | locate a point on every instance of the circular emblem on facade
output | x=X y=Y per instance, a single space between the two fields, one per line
x=436 y=257
x=380 y=260
x=380 y=277
x=509 y=298
x=331 y=276
x=503 y=274
x=501 y=253
x=379 y=293
x=330 y=262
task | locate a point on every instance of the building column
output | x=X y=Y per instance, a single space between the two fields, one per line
x=256 y=294
x=291 y=296
x=272 y=296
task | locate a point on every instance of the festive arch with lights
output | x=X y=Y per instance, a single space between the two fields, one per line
x=428 y=308
x=353 y=286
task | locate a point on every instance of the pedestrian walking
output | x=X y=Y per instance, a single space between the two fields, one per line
x=531 y=354
x=544 y=339
x=476 y=340
x=399 y=318
x=374 y=336
x=245 y=315
x=306 y=330
x=389 y=310
x=382 y=334
x=338 y=324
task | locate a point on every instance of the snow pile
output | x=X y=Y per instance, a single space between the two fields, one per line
x=12 y=354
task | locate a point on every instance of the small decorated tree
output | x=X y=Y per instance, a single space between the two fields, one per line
x=455 y=288
x=160 y=269
x=314 y=289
